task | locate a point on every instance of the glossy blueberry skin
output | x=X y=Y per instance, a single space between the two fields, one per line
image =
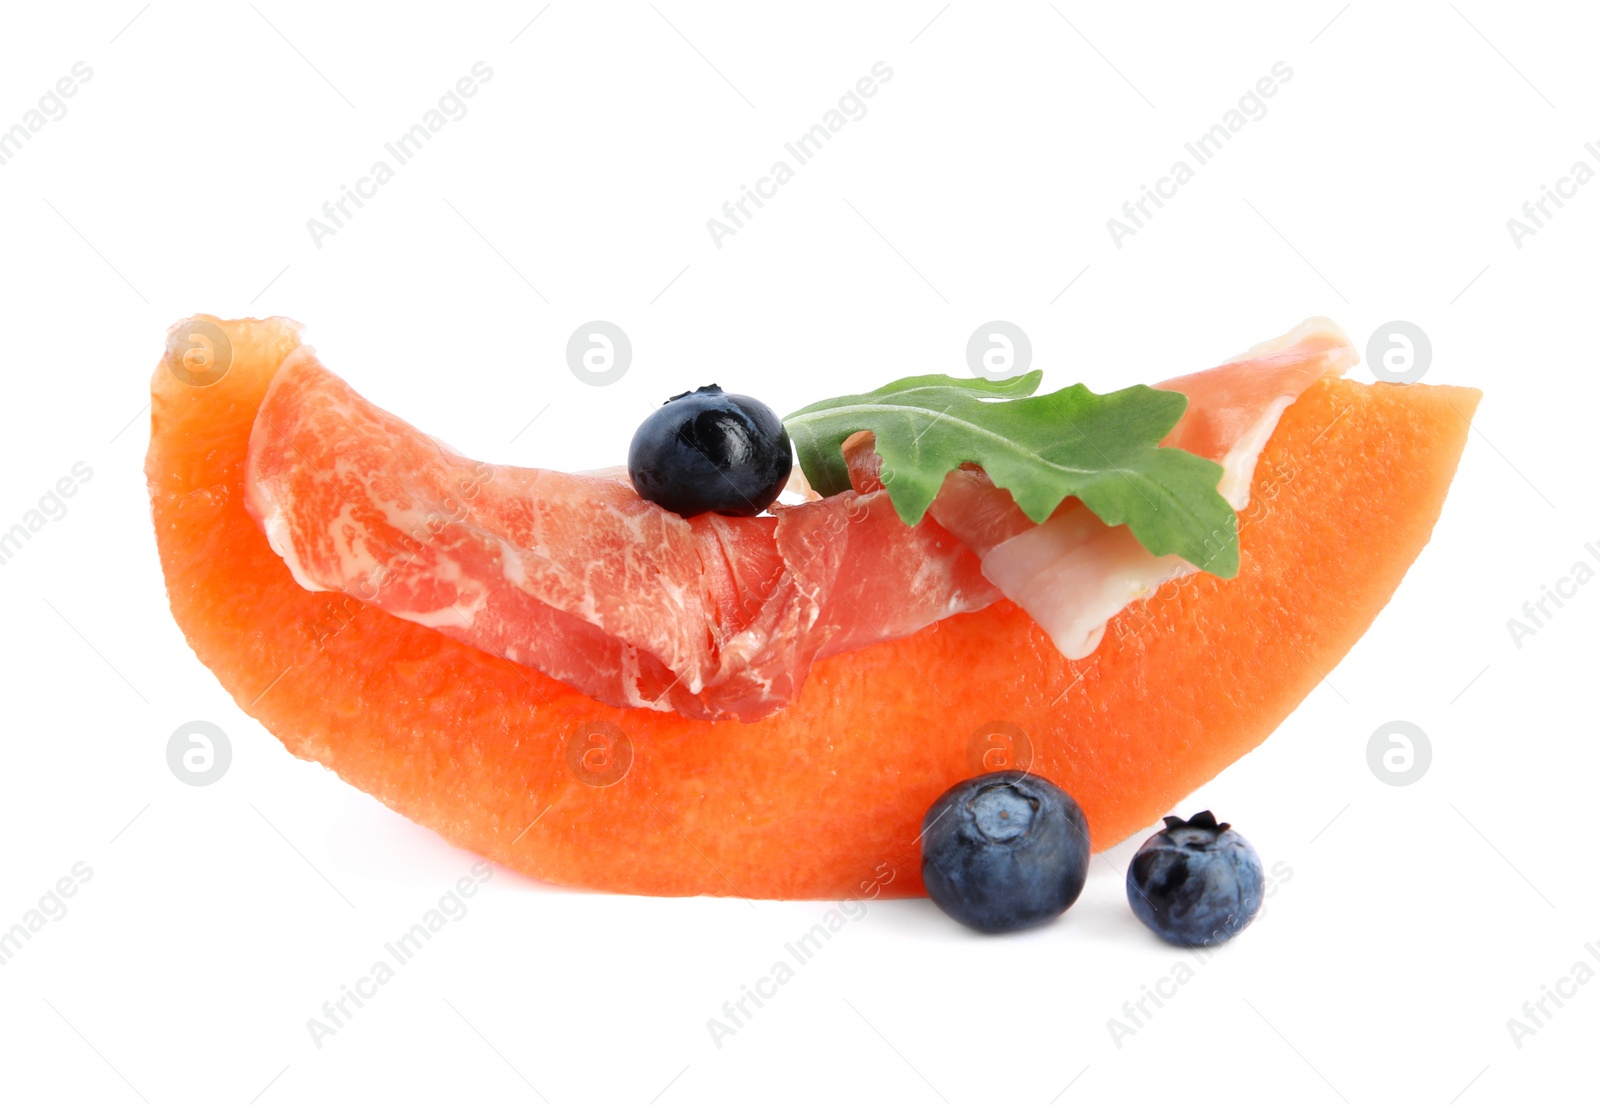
x=1196 y=883
x=1004 y=851
x=711 y=451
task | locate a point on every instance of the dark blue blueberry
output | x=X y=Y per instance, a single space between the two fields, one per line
x=1004 y=851
x=1196 y=883
x=711 y=451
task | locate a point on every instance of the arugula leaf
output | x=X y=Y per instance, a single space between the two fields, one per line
x=1103 y=449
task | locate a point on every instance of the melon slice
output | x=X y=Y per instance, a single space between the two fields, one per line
x=811 y=802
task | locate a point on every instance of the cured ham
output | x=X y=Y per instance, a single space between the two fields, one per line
x=576 y=575
x=713 y=617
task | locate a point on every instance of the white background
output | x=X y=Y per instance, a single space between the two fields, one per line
x=1416 y=921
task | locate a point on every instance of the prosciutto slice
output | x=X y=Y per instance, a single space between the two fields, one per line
x=576 y=575
x=712 y=617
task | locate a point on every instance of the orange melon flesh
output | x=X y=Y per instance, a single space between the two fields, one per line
x=808 y=803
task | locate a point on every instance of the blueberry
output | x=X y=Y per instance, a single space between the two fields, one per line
x=1004 y=851
x=711 y=451
x=1196 y=883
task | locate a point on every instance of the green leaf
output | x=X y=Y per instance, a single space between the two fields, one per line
x=1103 y=449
